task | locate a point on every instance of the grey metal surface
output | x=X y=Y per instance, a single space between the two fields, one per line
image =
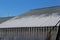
x=40 y=11
x=3 y=19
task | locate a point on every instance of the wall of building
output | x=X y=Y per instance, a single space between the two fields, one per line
x=26 y=33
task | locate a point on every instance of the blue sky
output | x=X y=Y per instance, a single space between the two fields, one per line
x=18 y=7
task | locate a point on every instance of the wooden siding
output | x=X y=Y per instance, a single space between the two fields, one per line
x=26 y=33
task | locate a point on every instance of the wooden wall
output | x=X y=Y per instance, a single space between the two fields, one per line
x=26 y=33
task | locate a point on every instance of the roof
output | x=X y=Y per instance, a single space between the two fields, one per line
x=35 y=18
x=3 y=19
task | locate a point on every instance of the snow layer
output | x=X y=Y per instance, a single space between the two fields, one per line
x=32 y=21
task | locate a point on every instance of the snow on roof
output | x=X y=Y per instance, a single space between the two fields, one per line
x=31 y=21
x=48 y=18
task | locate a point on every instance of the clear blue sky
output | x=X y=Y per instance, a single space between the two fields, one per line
x=17 y=7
